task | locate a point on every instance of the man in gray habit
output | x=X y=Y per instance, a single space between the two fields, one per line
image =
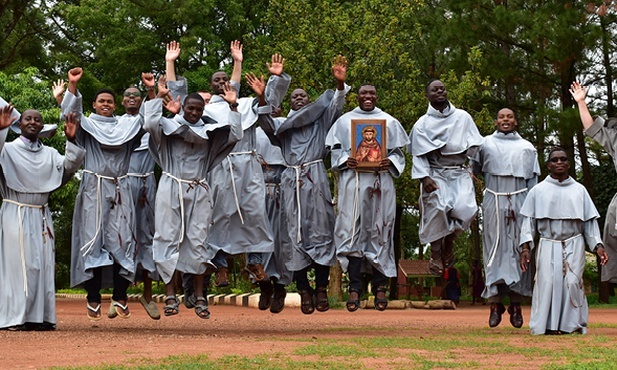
x=305 y=184
x=364 y=230
x=441 y=143
x=562 y=212
x=605 y=134
x=510 y=168
x=29 y=172
x=103 y=247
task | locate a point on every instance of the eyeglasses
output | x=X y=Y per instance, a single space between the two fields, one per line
x=557 y=159
x=136 y=94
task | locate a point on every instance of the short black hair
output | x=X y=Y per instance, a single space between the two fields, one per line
x=104 y=91
x=194 y=96
x=429 y=83
x=555 y=149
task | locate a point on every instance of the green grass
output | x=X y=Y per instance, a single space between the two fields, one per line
x=475 y=349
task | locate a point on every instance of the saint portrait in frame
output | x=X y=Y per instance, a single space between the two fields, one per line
x=368 y=142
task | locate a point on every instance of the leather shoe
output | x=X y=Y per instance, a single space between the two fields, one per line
x=220 y=277
x=497 y=309
x=265 y=298
x=256 y=271
x=516 y=315
x=278 y=300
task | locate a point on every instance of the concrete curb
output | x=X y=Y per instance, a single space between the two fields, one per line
x=245 y=300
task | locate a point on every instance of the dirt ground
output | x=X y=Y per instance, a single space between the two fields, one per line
x=233 y=330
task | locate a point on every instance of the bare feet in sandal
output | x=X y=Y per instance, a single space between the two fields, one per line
x=171 y=305
x=353 y=303
x=94 y=311
x=201 y=308
x=117 y=308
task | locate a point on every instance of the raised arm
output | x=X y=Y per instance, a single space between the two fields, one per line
x=74 y=76
x=237 y=56
x=5 y=121
x=258 y=85
x=149 y=83
x=579 y=93
x=171 y=54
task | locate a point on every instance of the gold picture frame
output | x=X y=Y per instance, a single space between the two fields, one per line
x=368 y=151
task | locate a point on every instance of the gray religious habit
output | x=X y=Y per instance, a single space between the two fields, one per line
x=564 y=216
x=366 y=198
x=510 y=168
x=29 y=172
x=305 y=184
x=104 y=217
x=441 y=144
x=186 y=152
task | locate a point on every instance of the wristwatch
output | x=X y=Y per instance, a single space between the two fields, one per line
x=234 y=105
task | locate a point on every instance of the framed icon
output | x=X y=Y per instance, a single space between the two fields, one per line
x=368 y=142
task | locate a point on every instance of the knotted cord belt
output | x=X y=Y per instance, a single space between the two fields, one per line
x=233 y=181
x=192 y=184
x=297 y=170
x=497 y=195
x=99 y=207
x=21 y=234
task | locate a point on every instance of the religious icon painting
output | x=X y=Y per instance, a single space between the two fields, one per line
x=368 y=142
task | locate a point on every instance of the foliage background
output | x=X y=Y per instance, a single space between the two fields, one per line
x=490 y=54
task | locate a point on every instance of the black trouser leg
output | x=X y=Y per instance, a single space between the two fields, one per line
x=379 y=280
x=93 y=286
x=322 y=275
x=121 y=285
x=355 y=274
x=301 y=278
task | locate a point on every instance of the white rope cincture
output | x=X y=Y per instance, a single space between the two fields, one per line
x=140 y=175
x=201 y=182
x=497 y=195
x=297 y=169
x=233 y=181
x=99 y=208
x=21 y=235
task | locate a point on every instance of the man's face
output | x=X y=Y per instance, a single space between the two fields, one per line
x=206 y=96
x=193 y=110
x=367 y=98
x=558 y=164
x=30 y=124
x=299 y=99
x=506 y=122
x=218 y=80
x=104 y=105
x=369 y=136
x=131 y=100
x=436 y=93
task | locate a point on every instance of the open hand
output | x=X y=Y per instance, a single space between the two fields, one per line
x=276 y=68
x=229 y=94
x=257 y=84
x=578 y=91
x=236 y=51
x=172 y=51
x=70 y=126
x=339 y=68
x=5 y=116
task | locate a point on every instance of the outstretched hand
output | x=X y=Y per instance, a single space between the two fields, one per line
x=173 y=106
x=257 y=84
x=147 y=79
x=229 y=94
x=5 y=116
x=339 y=68
x=58 y=88
x=578 y=91
x=236 y=51
x=162 y=84
x=70 y=126
x=278 y=62
x=75 y=74
x=172 y=51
